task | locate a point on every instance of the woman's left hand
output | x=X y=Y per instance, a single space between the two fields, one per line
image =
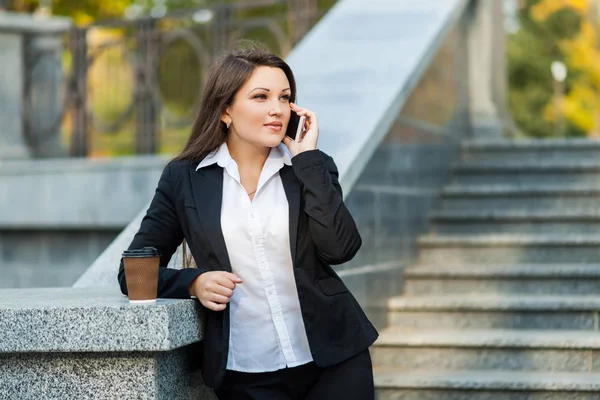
x=310 y=137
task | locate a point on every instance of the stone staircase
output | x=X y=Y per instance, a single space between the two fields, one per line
x=503 y=302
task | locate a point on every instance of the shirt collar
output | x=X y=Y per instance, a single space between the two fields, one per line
x=278 y=156
x=220 y=156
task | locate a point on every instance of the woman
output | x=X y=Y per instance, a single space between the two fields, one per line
x=264 y=219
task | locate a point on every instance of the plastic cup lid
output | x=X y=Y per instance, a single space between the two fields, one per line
x=145 y=252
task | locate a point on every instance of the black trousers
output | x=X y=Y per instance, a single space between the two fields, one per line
x=348 y=380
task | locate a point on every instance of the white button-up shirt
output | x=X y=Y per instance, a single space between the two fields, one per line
x=266 y=330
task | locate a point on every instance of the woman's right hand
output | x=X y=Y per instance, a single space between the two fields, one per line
x=214 y=289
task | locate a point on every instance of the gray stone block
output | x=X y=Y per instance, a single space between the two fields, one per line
x=396 y=384
x=519 y=146
x=93 y=319
x=46 y=258
x=566 y=164
x=172 y=375
x=459 y=319
x=538 y=222
x=464 y=394
x=552 y=155
x=522 y=203
x=525 y=177
x=469 y=255
x=497 y=271
x=500 y=286
x=470 y=227
x=554 y=151
x=495 y=312
x=91 y=343
x=509 y=249
x=478 y=359
x=77 y=193
x=506 y=350
x=497 y=302
x=514 y=189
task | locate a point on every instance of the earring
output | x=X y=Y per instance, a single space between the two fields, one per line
x=228 y=124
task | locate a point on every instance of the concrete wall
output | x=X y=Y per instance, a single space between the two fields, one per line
x=49 y=258
x=58 y=216
x=401 y=182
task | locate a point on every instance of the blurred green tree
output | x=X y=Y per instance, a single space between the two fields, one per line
x=582 y=103
x=531 y=49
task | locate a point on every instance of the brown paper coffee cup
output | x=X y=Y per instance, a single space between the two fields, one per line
x=141 y=274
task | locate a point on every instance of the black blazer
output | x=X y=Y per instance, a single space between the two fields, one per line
x=187 y=204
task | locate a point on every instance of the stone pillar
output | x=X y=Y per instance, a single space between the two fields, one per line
x=487 y=70
x=31 y=85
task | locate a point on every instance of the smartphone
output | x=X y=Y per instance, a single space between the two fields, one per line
x=295 y=126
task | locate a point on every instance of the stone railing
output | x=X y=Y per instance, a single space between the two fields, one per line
x=91 y=343
x=30 y=85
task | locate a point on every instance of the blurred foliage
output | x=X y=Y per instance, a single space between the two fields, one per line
x=582 y=103
x=81 y=11
x=531 y=50
x=555 y=30
x=87 y=11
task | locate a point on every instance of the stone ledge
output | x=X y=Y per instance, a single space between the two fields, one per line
x=81 y=165
x=75 y=193
x=494 y=380
x=494 y=303
x=496 y=271
x=488 y=338
x=27 y=23
x=519 y=190
x=94 y=320
x=542 y=167
x=535 y=144
x=509 y=239
x=515 y=216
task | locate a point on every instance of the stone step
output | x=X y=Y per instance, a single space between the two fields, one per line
x=495 y=312
x=542 y=167
x=532 y=150
x=542 y=190
x=488 y=349
x=399 y=384
x=547 y=198
x=526 y=172
x=509 y=249
x=514 y=221
x=516 y=145
x=546 y=279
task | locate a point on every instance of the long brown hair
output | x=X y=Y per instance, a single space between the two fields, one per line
x=224 y=79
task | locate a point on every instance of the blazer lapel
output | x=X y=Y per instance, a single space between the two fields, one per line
x=207 y=187
x=291 y=185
